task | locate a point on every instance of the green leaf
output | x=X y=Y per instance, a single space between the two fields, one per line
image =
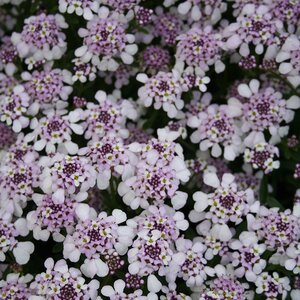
x=272 y=202
x=263 y=190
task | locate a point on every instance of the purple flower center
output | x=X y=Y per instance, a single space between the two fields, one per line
x=67 y=292
x=54 y=126
x=260 y=157
x=104 y=117
x=154 y=181
x=152 y=251
x=257 y=26
x=114 y=262
x=163 y=86
x=70 y=169
x=19 y=178
x=263 y=108
x=248 y=256
x=11 y=106
x=227 y=201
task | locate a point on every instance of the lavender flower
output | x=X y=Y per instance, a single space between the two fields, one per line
x=117 y=292
x=200 y=49
x=288 y=57
x=104 y=40
x=16 y=286
x=225 y=204
x=13 y=108
x=42 y=37
x=262 y=156
x=9 y=233
x=55 y=129
x=167 y=27
x=224 y=286
x=95 y=236
x=109 y=156
x=266 y=109
x=271 y=286
x=50 y=218
x=151 y=175
x=255 y=26
x=189 y=263
x=247 y=256
x=164 y=90
x=64 y=174
x=156 y=58
x=277 y=229
x=85 y=8
x=60 y=281
x=216 y=126
x=203 y=9
x=107 y=117
x=47 y=88
x=157 y=175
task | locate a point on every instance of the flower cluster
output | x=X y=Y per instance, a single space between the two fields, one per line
x=157 y=175
x=149 y=150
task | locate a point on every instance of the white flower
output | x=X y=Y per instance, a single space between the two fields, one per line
x=13 y=108
x=153 y=285
x=109 y=291
x=44 y=51
x=293 y=261
x=125 y=48
x=54 y=132
x=22 y=252
x=95 y=266
x=76 y=6
x=289 y=61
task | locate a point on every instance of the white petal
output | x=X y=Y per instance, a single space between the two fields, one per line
x=233 y=42
x=142 y=78
x=227 y=179
x=290 y=264
x=183 y=8
x=244 y=90
x=21 y=226
x=83 y=211
x=224 y=233
x=88 y=268
x=229 y=153
x=254 y=85
x=77 y=128
x=179 y=200
x=134 y=268
x=119 y=285
x=211 y=179
x=100 y=96
x=285 y=68
x=119 y=215
x=131 y=49
x=81 y=51
x=107 y=291
x=102 y=268
x=59 y=196
x=126 y=58
x=17 y=126
x=88 y=15
x=71 y=147
x=22 y=252
x=153 y=284
x=219 y=67
x=39 y=145
x=293 y=102
x=216 y=150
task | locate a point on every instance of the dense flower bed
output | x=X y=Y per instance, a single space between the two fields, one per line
x=149 y=149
